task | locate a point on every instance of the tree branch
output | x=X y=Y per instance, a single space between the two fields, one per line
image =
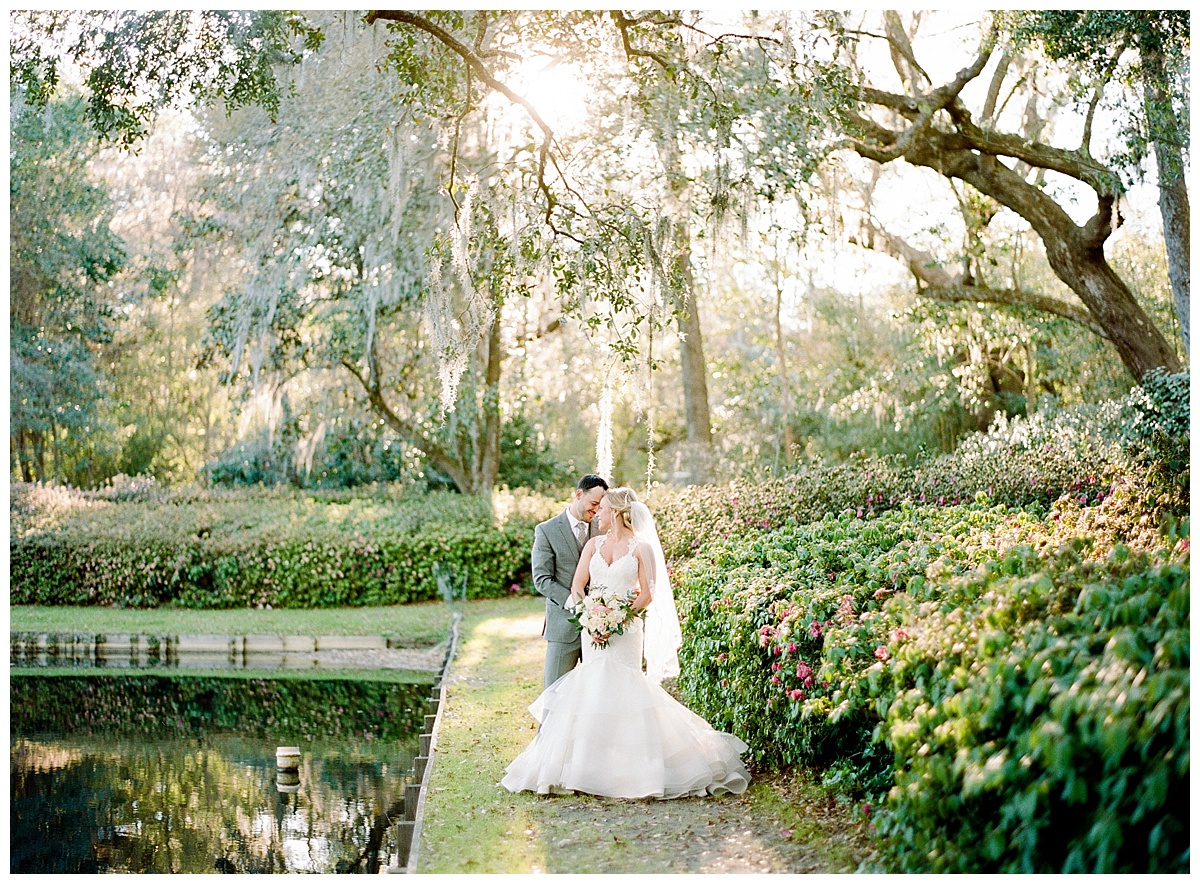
x=901 y=50
x=922 y=109
x=439 y=456
x=940 y=285
x=624 y=24
x=1016 y=298
x=1085 y=143
x=993 y=93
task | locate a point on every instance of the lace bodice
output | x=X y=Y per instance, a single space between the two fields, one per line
x=621 y=574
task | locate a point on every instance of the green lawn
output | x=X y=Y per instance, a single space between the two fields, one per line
x=417 y=625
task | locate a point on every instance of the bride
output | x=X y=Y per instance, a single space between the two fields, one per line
x=605 y=727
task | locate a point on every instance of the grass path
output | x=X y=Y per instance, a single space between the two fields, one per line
x=418 y=625
x=472 y=825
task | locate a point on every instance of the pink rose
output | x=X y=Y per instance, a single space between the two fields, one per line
x=881 y=653
x=816 y=629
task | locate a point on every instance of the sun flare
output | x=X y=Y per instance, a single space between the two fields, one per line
x=556 y=89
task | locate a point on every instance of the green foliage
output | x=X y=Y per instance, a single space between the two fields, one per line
x=280 y=548
x=1040 y=719
x=782 y=627
x=1018 y=463
x=62 y=256
x=1161 y=431
x=137 y=63
x=1097 y=39
x=526 y=464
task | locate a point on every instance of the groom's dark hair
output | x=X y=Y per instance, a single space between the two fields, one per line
x=587 y=483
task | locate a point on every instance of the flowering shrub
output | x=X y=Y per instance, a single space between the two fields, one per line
x=280 y=548
x=976 y=664
x=782 y=627
x=1040 y=717
x=1077 y=453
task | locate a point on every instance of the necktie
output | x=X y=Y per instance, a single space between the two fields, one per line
x=581 y=534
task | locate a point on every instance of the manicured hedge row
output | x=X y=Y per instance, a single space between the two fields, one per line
x=283 y=550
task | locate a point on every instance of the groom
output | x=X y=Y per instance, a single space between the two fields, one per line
x=557 y=544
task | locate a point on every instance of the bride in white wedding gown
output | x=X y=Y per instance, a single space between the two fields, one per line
x=607 y=728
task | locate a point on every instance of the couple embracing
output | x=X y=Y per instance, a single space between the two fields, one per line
x=606 y=727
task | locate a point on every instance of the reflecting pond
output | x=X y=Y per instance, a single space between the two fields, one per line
x=178 y=773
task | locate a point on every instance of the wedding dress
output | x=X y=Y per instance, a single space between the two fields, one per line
x=607 y=729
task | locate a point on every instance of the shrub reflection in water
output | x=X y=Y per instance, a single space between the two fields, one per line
x=157 y=774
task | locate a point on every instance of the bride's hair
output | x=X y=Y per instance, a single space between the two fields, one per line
x=621 y=500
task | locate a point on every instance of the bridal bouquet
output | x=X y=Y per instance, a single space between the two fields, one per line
x=603 y=613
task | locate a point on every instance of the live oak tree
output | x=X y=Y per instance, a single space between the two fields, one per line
x=931 y=126
x=332 y=209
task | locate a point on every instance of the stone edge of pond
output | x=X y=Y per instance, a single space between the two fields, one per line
x=414 y=794
x=288 y=652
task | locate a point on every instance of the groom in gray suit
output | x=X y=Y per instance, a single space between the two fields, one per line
x=557 y=544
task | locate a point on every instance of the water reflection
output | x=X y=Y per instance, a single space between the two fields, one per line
x=131 y=789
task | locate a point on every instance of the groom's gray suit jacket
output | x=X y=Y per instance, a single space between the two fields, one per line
x=555 y=556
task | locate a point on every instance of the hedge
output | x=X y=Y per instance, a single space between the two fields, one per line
x=1040 y=719
x=282 y=549
x=932 y=648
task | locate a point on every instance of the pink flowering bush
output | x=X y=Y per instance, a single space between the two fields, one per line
x=782 y=627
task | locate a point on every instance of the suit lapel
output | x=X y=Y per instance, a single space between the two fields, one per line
x=568 y=536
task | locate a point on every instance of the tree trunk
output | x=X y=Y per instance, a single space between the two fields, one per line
x=692 y=366
x=26 y=461
x=54 y=452
x=785 y=396
x=14 y=450
x=1173 y=201
x=488 y=457
x=1076 y=254
x=473 y=467
x=39 y=455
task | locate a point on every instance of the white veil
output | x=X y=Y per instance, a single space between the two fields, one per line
x=663 y=635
